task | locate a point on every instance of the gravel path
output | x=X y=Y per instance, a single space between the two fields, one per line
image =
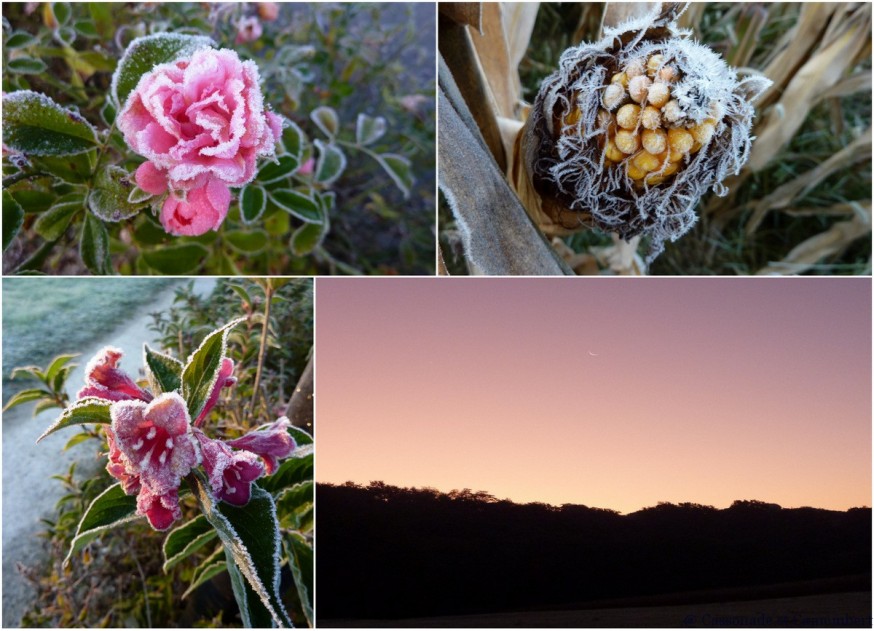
x=29 y=493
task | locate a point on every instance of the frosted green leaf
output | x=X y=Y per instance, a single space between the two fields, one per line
x=253 y=199
x=51 y=224
x=85 y=28
x=76 y=168
x=144 y=53
x=185 y=540
x=326 y=119
x=94 y=245
x=13 y=217
x=109 y=509
x=19 y=39
x=331 y=162
x=284 y=167
x=249 y=242
x=301 y=206
x=202 y=368
x=176 y=259
x=138 y=196
x=369 y=130
x=213 y=565
x=26 y=65
x=163 y=372
x=62 y=11
x=398 y=169
x=34 y=124
x=293 y=139
x=307 y=238
x=109 y=197
x=87 y=410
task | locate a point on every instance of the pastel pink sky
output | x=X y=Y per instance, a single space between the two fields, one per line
x=615 y=393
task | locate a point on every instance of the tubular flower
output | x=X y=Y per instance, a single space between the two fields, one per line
x=156 y=439
x=230 y=473
x=104 y=380
x=160 y=509
x=271 y=443
x=120 y=468
x=225 y=379
x=630 y=131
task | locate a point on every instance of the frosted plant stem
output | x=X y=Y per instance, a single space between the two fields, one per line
x=268 y=295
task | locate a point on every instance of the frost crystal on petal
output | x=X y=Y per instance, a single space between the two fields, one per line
x=161 y=509
x=104 y=380
x=230 y=473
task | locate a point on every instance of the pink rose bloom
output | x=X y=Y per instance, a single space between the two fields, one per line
x=201 y=125
x=104 y=380
x=248 y=30
x=271 y=443
x=156 y=440
x=231 y=473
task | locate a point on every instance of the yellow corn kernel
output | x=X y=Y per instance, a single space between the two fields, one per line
x=658 y=94
x=612 y=152
x=676 y=156
x=652 y=65
x=572 y=117
x=621 y=78
x=650 y=118
x=668 y=168
x=638 y=88
x=672 y=112
x=634 y=68
x=667 y=74
x=703 y=132
x=696 y=146
x=680 y=140
x=634 y=173
x=628 y=115
x=627 y=141
x=613 y=96
x=654 y=140
x=646 y=161
x=654 y=180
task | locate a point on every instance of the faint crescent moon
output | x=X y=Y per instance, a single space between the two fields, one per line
x=593 y=354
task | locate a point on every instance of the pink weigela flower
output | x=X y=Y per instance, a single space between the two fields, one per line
x=231 y=473
x=104 y=380
x=201 y=124
x=120 y=468
x=156 y=439
x=271 y=443
x=160 y=510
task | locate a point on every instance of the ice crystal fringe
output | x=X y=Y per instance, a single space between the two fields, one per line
x=568 y=167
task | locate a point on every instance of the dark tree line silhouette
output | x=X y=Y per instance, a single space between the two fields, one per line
x=389 y=552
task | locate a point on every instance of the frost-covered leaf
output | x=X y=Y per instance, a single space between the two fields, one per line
x=26 y=65
x=51 y=224
x=331 y=162
x=163 y=372
x=81 y=437
x=94 y=245
x=369 y=130
x=144 y=53
x=250 y=535
x=25 y=396
x=35 y=124
x=398 y=169
x=276 y=171
x=85 y=28
x=247 y=241
x=212 y=566
x=58 y=364
x=293 y=139
x=301 y=206
x=185 y=540
x=108 y=112
x=109 y=509
x=301 y=437
x=138 y=196
x=19 y=39
x=292 y=471
x=326 y=119
x=76 y=168
x=295 y=506
x=175 y=260
x=253 y=200
x=109 y=197
x=202 y=368
x=87 y=410
x=300 y=559
x=307 y=238
x=13 y=217
x=62 y=11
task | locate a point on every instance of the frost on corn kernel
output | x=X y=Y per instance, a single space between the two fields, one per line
x=632 y=130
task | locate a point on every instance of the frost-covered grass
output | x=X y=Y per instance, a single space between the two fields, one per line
x=44 y=317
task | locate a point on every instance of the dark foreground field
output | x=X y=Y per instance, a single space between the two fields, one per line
x=821 y=611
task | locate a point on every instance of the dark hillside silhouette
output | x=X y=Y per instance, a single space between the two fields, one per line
x=387 y=552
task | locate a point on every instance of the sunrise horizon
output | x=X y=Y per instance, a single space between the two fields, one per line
x=615 y=395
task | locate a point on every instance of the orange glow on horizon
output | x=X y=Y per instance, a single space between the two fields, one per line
x=614 y=393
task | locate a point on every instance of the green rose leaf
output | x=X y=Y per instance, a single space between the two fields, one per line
x=34 y=124
x=326 y=119
x=202 y=368
x=276 y=171
x=94 y=245
x=26 y=65
x=144 y=53
x=398 y=169
x=109 y=197
x=247 y=241
x=250 y=536
x=331 y=163
x=87 y=410
x=176 y=259
x=307 y=238
x=109 y=509
x=163 y=372
x=185 y=540
x=19 y=39
x=293 y=139
x=52 y=224
x=368 y=130
x=75 y=168
x=13 y=218
x=301 y=206
x=253 y=200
